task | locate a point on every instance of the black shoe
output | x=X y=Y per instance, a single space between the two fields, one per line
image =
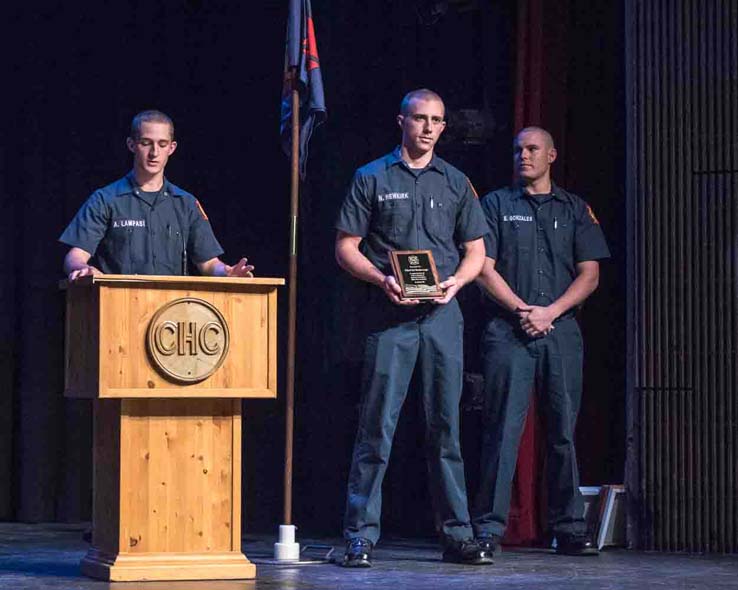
x=575 y=544
x=467 y=552
x=489 y=543
x=358 y=553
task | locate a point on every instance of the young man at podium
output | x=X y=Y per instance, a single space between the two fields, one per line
x=142 y=223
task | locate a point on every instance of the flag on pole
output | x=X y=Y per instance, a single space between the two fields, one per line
x=301 y=60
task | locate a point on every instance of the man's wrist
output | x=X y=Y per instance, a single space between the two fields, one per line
x=379 y=279
x=555 y=311
x=459 y=281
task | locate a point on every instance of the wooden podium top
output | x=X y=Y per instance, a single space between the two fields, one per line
x=173 y=280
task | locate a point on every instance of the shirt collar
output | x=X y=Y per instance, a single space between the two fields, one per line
x=435 y=164
x=127 y=186
x=556 y=192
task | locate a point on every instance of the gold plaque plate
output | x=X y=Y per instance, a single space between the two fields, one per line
x=188 y=339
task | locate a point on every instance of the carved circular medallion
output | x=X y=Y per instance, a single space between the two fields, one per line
x=188 y=339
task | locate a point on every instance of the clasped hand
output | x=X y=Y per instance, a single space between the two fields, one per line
x=536 y=321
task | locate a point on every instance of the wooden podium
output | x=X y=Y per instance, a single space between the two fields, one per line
x=166 y=361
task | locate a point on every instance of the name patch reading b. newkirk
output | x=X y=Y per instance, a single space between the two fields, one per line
x=187 y=340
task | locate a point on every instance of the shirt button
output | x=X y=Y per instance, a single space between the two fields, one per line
x=541 y=293
x=540 y=249
x=540 y=228
x=540 y=272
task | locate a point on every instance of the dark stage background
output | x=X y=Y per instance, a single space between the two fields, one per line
x=78 y=74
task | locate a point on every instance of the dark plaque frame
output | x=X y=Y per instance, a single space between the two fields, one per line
x=415 y=272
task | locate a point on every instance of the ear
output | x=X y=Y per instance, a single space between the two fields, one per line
x=172 y=147
x=552 y=153
x=130 y=144
x=400 y=119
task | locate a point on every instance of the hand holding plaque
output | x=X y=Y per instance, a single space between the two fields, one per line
x=415 y=272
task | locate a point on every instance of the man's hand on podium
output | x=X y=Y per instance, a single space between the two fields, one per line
x=83 y=272
x=76 y=267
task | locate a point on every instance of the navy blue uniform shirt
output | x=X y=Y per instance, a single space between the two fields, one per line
x=129 y=231
x=537 y=241
x=394 y=207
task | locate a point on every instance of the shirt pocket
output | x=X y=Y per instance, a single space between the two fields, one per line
x=563 y=238
x=515 y=241
x=175 y=247
x=119 y=249
x=439 y=216
x=514 y=254
x=394 y=220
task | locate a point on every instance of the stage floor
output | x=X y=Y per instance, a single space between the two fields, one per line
x=46 y=556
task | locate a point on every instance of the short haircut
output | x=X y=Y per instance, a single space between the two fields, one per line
x=533 y=129
x=151 y=116
x=422 y=94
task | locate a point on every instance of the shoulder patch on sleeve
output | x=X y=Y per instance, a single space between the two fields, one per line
x=592 y=215
x=471 y=186
x=205 y=217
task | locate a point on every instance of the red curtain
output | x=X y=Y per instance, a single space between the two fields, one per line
x=540 y=99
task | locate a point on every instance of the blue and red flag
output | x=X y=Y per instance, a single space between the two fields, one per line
x=301 y=58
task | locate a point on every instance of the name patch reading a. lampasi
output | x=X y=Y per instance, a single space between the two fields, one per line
x=187 y=339
x=129 y=223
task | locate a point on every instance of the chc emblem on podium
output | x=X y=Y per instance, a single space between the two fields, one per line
x=188 y=339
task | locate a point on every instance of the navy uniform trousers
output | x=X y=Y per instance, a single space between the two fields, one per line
x=515 y=365
x=433 y=342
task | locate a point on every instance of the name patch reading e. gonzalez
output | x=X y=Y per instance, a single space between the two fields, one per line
x=187 y=339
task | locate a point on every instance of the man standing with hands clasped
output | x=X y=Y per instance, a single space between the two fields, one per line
x=542 y=263
x=142 y=223
x=411 y=200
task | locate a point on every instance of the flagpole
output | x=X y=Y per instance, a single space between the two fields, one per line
x=302 y=72
x=289 y=420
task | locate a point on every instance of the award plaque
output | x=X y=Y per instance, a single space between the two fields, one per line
x=415 y=271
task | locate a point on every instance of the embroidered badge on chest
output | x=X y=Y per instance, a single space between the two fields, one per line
x=517 y=218
x=129 y=223
x=392 y=197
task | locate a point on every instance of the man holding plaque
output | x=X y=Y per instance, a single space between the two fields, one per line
x=411 y=210
x=542 y=263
